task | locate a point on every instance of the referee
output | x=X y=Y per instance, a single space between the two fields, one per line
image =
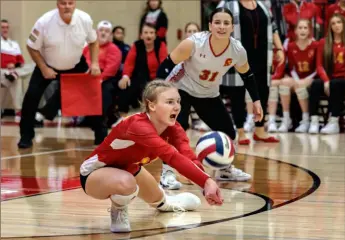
x=56 y=45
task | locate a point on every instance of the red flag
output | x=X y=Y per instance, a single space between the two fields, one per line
x=81 y=94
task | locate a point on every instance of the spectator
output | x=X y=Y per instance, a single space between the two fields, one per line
x=255 y=27
x=56 y=45
x=297 y=9
x=331 y=69
x=12 y=67
x=301 y=57
x=155 y=15
x=140 y=67
x=338 y=7
x=118 y=40
x=109 y=59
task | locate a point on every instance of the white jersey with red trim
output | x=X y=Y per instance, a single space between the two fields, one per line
x=201 y=74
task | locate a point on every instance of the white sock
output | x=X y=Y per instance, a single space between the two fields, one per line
x=272 y=118
x=286 y=115
x=315 y=119
x=334 y=119
x=305 y=116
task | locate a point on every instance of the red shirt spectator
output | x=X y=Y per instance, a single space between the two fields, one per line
x=109 y=59
x=338 y=59
x=152 y=61
x=292 y=12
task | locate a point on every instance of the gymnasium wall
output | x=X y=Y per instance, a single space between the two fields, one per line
x=22 y=14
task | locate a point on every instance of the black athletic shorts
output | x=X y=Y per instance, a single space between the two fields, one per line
x=84 y=178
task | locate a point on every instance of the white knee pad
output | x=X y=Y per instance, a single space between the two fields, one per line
x=273 y=97
x=284 y=90
x=302 y=93
x=124 y=200
x=248 y=98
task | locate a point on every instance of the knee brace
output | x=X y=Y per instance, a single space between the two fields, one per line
x=273 y=97
x=248 y=98
x=122 y=200
x=284 y=90
x=302 y=93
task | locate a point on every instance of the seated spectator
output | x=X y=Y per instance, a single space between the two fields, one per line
x=118 y=40
x=301 y=57
x=297 y=9
x=155 y=15
x=140 y=67
x=338 y=7
x=12 y=67
x=331 y=69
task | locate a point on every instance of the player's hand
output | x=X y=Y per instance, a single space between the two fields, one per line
x=257 y=110
x=48 y=73
x=124 y=82
x=280 y=56
x=10 y=66
x=94 y=69
x=326 y=88
x=212 y=193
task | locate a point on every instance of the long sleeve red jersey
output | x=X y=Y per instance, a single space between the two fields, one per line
x=338 y=61
x=278 y=70
x=303 y=62
x=134 y=142
x=292 y=12
x=109 y=59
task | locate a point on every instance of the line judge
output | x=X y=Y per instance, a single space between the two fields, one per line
x=56 y=45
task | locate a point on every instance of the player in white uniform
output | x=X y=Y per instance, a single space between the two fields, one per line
x=199 y=62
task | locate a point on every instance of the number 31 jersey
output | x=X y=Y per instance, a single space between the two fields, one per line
x=201 y=74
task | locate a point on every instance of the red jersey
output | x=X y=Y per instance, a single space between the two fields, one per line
x=152 y=62
x=134 y=142
x=338 y=61
x=333 y=8
x=277 y=70
x=303 y=62
x=292 y=12
x=10 y=53
x=109 y=59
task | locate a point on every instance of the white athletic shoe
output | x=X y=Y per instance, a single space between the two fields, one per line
x=249 y=125
x=314 y=125
x=119 y=220
x=285 y=125
x=168 y=180
x=272 y=127
x=201 y=126
x=180 y=203
x=332 y=127
x=232 y=174
x=303 y=127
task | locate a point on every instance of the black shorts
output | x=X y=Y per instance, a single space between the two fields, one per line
x=84 y=178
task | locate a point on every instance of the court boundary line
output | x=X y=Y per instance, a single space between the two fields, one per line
x=269 y=205
x=45 y=152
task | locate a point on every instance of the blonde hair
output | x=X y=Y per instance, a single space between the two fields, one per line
x=329 y=40
x=152 y=90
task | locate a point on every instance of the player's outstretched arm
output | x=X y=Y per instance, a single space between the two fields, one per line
x=180 y=53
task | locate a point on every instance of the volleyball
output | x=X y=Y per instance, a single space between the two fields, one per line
x=215 y=150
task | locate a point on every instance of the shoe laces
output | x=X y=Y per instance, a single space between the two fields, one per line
x=121 y=215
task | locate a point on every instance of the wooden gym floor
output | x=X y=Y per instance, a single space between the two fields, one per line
x=297 y=192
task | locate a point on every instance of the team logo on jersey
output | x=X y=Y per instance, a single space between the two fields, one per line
x=227 y=62
x=202 y=55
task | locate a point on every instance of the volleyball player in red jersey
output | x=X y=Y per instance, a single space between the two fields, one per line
x=331 y=70
x=338 y=7
x=301 y=57
x=115 y=168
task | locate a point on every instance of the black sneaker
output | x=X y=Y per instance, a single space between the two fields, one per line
x=24 y=143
